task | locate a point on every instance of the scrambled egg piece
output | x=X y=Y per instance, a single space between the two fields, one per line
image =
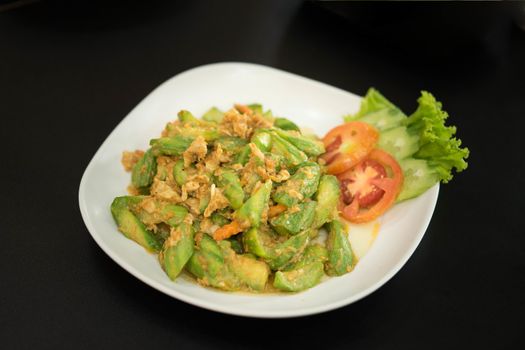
x=129 y=159
x=242 y=125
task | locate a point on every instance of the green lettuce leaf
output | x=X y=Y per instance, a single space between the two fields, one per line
x=372 y=102
x=437 y=144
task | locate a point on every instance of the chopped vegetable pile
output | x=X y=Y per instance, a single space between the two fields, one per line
x=237 y=199
x=234 y=198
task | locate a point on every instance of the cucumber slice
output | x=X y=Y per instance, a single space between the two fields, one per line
x=384 y=119
x=398 y=142
x=418 y=178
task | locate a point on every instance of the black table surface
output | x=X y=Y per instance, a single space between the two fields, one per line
x=70 y=73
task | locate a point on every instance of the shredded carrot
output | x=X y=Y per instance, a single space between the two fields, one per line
x=227 y=230
x=243 y=109
x=276 y=210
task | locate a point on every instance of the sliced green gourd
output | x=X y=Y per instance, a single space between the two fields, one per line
x=171 y=146
x=288 y=251
x=132 y=227
x=291 y=154
x=285 y=124
x=252 y=210
x=262 y=139
x=327 y=197
x=303 y=184
x=230 y=184
x=340 y=254
x=312 y=253
x=177 y=250
x=231 y=143
x=306 y=144
x=250 y=272
x=213 y=115
x=144 y=170
x=260 y=241
x=299 y=279
x=295 y=219
x=179 y=173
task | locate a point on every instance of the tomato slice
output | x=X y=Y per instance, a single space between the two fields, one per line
x=370 y=188
x=357 y=183
x=347 y=145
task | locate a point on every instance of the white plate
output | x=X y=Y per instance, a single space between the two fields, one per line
x=308 y=103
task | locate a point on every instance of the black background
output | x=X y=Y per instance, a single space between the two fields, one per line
x=70 y=73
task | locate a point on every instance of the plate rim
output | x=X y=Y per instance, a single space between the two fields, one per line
x=228 y=309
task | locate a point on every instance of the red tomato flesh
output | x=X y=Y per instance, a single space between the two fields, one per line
x=347 y=145
x=370 y=188
x=356 y=184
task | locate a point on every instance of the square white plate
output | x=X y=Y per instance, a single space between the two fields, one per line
x=306 y=102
